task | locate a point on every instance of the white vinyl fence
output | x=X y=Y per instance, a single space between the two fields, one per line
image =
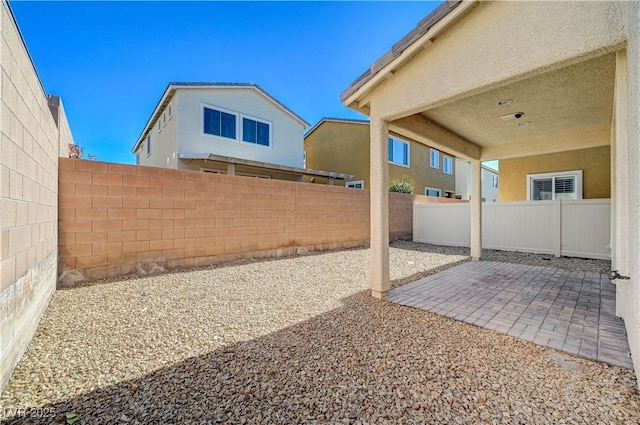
x=573 y=228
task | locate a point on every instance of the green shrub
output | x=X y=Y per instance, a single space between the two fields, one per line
x=401 y=186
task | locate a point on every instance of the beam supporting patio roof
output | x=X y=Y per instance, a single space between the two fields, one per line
x=429 y=133
x=582 y=138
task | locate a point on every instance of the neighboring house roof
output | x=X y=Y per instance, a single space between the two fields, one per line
x=265 y=165
x=173 y=86
x=329 y=119
x=395 y=56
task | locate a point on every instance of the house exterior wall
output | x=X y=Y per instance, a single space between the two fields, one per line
x=286 y=132
x=340 y=147
x=164 y=152
x=463 y=181
x=628 y=187
x=344 y=147
x=31 y=143
x=595 y=164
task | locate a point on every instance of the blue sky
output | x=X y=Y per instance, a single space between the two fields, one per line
x=111 y=61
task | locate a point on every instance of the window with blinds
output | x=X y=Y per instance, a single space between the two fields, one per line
x=547 y=187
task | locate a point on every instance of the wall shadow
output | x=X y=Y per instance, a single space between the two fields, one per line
x=369 y=361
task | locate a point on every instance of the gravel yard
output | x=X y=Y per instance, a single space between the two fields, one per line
x=299 y=340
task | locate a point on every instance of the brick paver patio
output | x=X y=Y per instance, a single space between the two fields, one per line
x=571 y=311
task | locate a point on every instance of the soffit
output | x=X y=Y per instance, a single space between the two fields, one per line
x=575 y=97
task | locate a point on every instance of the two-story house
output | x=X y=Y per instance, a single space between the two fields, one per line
x=229 y=128
x=489 y=178
x=343 y=145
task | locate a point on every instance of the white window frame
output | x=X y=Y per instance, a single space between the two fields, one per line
x=262 y=120
x=435 y=189
x=574 y=173
x=353 y=184
x=446 y=158
x=406 y=142
x=437 y=157
x=220 y=109
x=159 y=126
x=169 y=111
x=495 y=181
x=149 y=144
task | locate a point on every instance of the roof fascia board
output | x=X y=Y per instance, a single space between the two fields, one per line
x=340 y=120
x=409 y=52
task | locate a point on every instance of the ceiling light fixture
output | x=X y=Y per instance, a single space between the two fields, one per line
x=504 y=102
x=524 y=123
x=513 y=116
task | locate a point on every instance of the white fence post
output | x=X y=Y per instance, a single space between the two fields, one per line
x=557 y=227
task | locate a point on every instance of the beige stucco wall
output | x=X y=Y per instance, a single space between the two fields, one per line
x=344 y=147
x=31 y=144
x=595 y=164
x=569 y=32
x=628 y=190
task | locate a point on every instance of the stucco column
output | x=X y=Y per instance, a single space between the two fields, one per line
x=620 y=199
x=379 y=207
x=476 y=210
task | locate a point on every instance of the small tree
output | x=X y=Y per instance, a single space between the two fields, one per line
x=401 y=186
x=77 y=152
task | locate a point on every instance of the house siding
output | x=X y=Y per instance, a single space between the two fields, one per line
x=463 y=182
x=594 y=162
x=344 y=147
x=164 y=152
x=286 y=132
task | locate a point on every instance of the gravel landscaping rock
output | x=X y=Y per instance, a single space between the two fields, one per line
x=296 y=340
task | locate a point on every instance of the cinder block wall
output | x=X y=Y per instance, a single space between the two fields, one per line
x=31 y=143
x=120 y=219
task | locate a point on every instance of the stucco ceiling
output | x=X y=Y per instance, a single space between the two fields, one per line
x=563 y=101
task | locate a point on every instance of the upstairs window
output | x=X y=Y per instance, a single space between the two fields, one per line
x=434 y=159
x=551 y=186
x=218 y=123
x=495 y=181
x=447 y=164
x=256 y=132
x=148 y=144
x=398 y=152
